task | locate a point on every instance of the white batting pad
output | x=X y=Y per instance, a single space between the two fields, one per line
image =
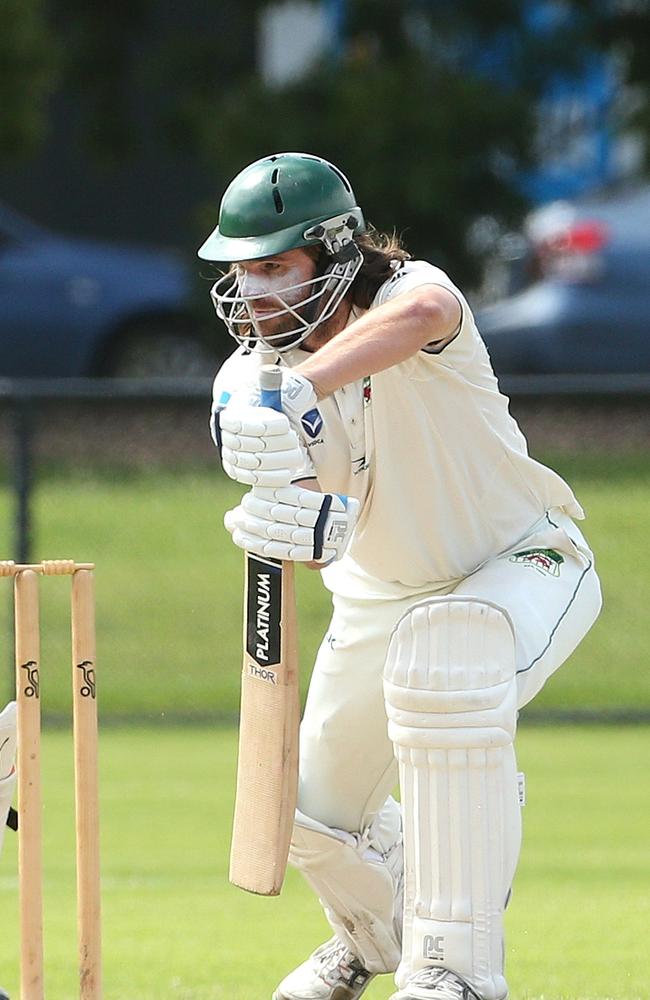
x=450 y=692
x=358 y=878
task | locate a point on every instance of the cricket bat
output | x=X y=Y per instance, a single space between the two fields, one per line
x=267 y=765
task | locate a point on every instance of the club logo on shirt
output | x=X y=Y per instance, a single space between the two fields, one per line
x=312 y=423
x=545 y=561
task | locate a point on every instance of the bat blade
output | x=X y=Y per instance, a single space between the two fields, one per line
x=267 y=767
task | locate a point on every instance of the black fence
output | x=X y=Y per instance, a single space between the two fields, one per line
x=23 y=398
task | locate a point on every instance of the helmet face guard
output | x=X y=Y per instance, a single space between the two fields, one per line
x=321 y=296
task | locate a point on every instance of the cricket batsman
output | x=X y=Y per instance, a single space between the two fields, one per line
x=7 y=767
x=460 y=580
x=7 y=775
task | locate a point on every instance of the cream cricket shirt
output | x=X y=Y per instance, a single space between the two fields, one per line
x=429 y=448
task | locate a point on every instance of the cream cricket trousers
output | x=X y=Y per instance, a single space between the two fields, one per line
x=347 y=765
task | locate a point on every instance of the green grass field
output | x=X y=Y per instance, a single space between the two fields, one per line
x=169 y=590
x=174 y=928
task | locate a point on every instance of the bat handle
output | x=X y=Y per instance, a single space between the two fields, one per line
x=270 y=387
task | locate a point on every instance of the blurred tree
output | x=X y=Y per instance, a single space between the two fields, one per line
x=426 y=149
x=101 y=41
x=28 y=75
x=428 y=106
x=623 y=28
x=427 y=145
x=126 y=58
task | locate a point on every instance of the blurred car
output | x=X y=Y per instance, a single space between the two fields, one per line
x=75 y=307
x=584 y=300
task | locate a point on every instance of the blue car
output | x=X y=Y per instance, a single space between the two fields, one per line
x=582 y=304
x=73 y=307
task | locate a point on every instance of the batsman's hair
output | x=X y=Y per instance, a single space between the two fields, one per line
x=382 y=252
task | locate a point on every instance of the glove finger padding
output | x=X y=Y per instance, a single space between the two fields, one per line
x=277 y=531
x=272 y=443
x=262 y=460
x=267 y=477
x=253 y=421
x=257 y=504
x=293 y=523
x=258 y=446
x=272 y=549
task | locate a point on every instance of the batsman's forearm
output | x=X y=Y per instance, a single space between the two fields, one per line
x=380 y=339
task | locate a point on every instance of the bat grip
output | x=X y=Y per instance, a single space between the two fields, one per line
x=270 y=387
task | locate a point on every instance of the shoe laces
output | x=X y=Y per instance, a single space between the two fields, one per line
x=447 y=984
x=339 y=964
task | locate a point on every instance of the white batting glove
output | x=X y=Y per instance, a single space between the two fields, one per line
x=258 y=446
x=293 y=523
x=296 y=392
x=298 y=395
x=7 y=762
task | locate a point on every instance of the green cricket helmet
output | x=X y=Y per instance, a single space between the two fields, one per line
x=279 y=203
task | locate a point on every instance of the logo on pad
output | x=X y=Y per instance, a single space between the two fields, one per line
x=433 y=948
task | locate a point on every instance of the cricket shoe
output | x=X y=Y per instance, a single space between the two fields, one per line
x=434 y=983
x=333 y=972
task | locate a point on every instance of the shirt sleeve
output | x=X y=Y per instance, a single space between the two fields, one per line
x=414 y=273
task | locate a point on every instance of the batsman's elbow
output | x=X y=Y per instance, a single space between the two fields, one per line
x=436 y=313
